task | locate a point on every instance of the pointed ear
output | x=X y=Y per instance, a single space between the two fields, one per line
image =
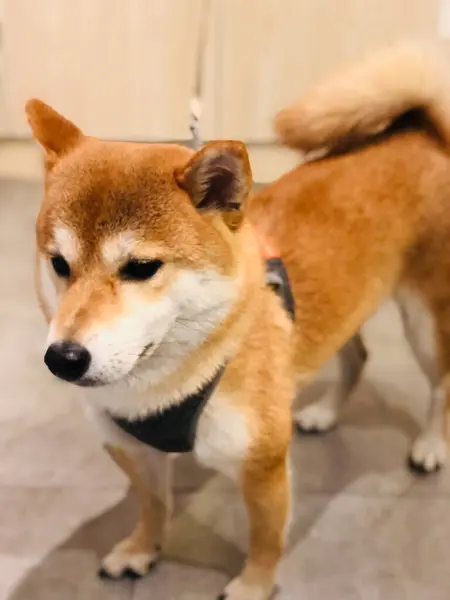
x=218 y=177
x=56 y=134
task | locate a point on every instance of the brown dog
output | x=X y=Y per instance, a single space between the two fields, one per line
x=369 y=219
x=153 y=286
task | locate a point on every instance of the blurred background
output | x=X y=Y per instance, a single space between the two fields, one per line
x=126 y=69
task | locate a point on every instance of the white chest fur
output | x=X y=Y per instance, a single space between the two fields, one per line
x=223 y=437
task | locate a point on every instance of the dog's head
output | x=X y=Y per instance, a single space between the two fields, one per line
x=135 y=256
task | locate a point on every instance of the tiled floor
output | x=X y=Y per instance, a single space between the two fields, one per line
x=363 y=527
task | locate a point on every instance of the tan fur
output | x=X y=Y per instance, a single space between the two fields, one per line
x=148 y=534
x=365 y=98
x=360 y=222
x=180 y=208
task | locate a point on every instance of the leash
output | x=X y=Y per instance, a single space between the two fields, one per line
x=195 y=105
x=276 y=274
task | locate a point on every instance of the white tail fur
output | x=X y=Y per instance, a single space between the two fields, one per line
x=366 y=98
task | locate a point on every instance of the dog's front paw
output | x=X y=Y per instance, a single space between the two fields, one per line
x=316 y=418
x=237 y=589
x=123 y=563
x=428 y=454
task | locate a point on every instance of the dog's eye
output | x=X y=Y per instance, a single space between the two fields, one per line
x=140 y=270
x=61 y=266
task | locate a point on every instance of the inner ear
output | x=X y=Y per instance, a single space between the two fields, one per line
x=218 y=177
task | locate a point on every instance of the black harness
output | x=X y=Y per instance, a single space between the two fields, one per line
x=277 y=278
x=174 y=428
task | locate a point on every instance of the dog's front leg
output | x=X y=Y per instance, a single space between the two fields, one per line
x=266 y=493
x=150 y=476
x=135 y=555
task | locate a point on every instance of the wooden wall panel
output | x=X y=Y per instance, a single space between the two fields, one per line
x=273 y=50
x=121 y=68
x=125 y=68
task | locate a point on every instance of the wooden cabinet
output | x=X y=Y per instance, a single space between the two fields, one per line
x=125 y=68
x=274 y=49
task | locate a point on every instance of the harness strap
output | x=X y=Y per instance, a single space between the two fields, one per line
x=173 y=429
x=276 y=274
x=277 y=279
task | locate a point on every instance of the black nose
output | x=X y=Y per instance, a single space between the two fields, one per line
x=67 y=360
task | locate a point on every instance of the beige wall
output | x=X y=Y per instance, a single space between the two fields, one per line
x=125 y=68
x=290 y=43
x=122 y=68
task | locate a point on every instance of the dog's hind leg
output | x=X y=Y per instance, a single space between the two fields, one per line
x=149 y=473
x=429 y=450
x=323 y=414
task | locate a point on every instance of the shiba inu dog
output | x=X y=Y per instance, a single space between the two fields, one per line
x=152 y=282
x=369 y=217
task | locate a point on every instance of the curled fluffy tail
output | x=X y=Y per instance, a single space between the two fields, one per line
x=365 y=99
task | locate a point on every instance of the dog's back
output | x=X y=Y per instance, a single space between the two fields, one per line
x=374 y=210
